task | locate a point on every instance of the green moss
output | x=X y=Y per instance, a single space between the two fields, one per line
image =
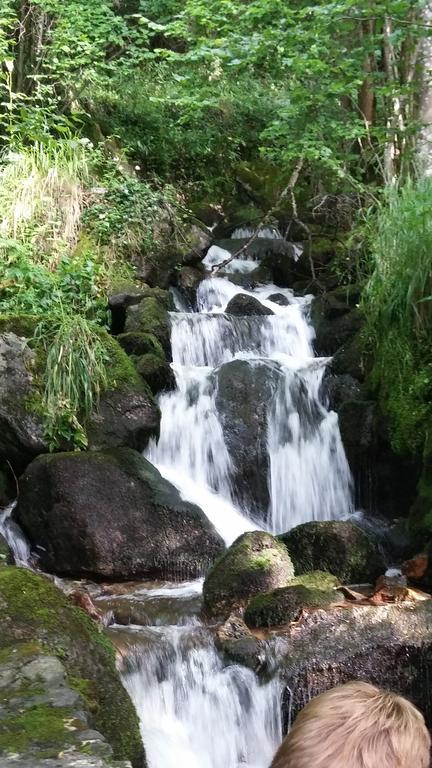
x=150 y=316
x=136 y=343
x=254 y=563
x=122 y=374
x=34 y=610
x=281 y=606
x=156 y=372
x=42 y=726
x=341 y=548
x=21 y=325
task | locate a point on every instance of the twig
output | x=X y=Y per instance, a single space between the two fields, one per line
x=14 y=477
x=288 y=191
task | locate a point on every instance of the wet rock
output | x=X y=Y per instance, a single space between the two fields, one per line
x=235 y=640
x=256 y=562
x=157 y=373
x=112 y=515
x=188 y=280
x=150 y=317
x=388 y=646
x=244 y=391
x=137 y=344
x=242 y=305
x=278 y=298
x=339 y=547
x=284 y=605
x=58 y=681
x=21 y=431
x=125 y=419
x=336 y=319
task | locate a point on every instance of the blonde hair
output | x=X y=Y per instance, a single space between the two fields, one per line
x=356 y=726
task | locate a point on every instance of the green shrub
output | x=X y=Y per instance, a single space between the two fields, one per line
x=398 y=308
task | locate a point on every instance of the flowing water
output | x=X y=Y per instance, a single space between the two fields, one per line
x=14 y=536
x=195 y=711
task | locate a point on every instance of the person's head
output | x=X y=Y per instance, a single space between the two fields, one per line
x=356 y=726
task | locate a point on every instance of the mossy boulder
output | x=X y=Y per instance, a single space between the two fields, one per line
x=256 y=562
x=21 y=325
x=150 y=316
x=157 y=373
x=34 y=612
x=129 y=296
x=21 y=429
x=339 y=547
x=127 y=416
x=112 y=515
x=137 y=344
x=283 y=605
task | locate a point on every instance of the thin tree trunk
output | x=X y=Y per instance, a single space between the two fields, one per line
x=424 y=144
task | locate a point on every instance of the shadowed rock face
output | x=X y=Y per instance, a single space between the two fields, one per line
x=21 y=432
x=389 y=646
x=112 y=515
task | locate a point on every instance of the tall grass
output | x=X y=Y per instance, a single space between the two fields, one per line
x=42 y=191
x=76 y=372
x=398 y=305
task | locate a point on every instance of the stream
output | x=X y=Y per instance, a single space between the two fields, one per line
x=195 y=710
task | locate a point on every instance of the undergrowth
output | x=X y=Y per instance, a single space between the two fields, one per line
x=397 y=303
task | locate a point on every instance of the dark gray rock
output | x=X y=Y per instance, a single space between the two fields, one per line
x=242 y=305
x=339 y=547
x=112 y=516
x=188 y=280
x=244 y=391
x=278 y=298
x=21 y=431
x=336 y=319
x=125 y=419
x=156 y=372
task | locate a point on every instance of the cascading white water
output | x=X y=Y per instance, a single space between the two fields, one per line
x=309 y=477
x=14 y=536
x=196 y=712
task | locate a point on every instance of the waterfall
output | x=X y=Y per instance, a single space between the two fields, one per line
x=197 y=713
x=195 y=710
x=14 y=536
x=308 y=475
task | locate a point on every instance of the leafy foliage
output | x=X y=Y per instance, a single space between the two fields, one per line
x=398 y=307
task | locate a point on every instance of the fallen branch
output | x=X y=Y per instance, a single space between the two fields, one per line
x=288 y=191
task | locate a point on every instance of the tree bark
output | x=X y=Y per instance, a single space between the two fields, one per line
x=424 y=144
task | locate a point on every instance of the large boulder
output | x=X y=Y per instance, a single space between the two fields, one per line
x=336 y=319
x=124 y=419
x=242 y=305
x=59 y=686
x=256 y=562
x=21 y=430
x=150 y=317
x=112 y=516
x=339 y=547
x=281 y=606
x=157 y=373
x=118 y=303
x=244 y=392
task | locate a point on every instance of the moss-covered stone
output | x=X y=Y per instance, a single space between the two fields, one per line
x=157 y=373
x=281 y=606
x=21 y=325
x=122 y=374
x=339 y=547
x=150 y=316
x=42 y=727
x=256 y=562
x=137 y=344
x=34 y=610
